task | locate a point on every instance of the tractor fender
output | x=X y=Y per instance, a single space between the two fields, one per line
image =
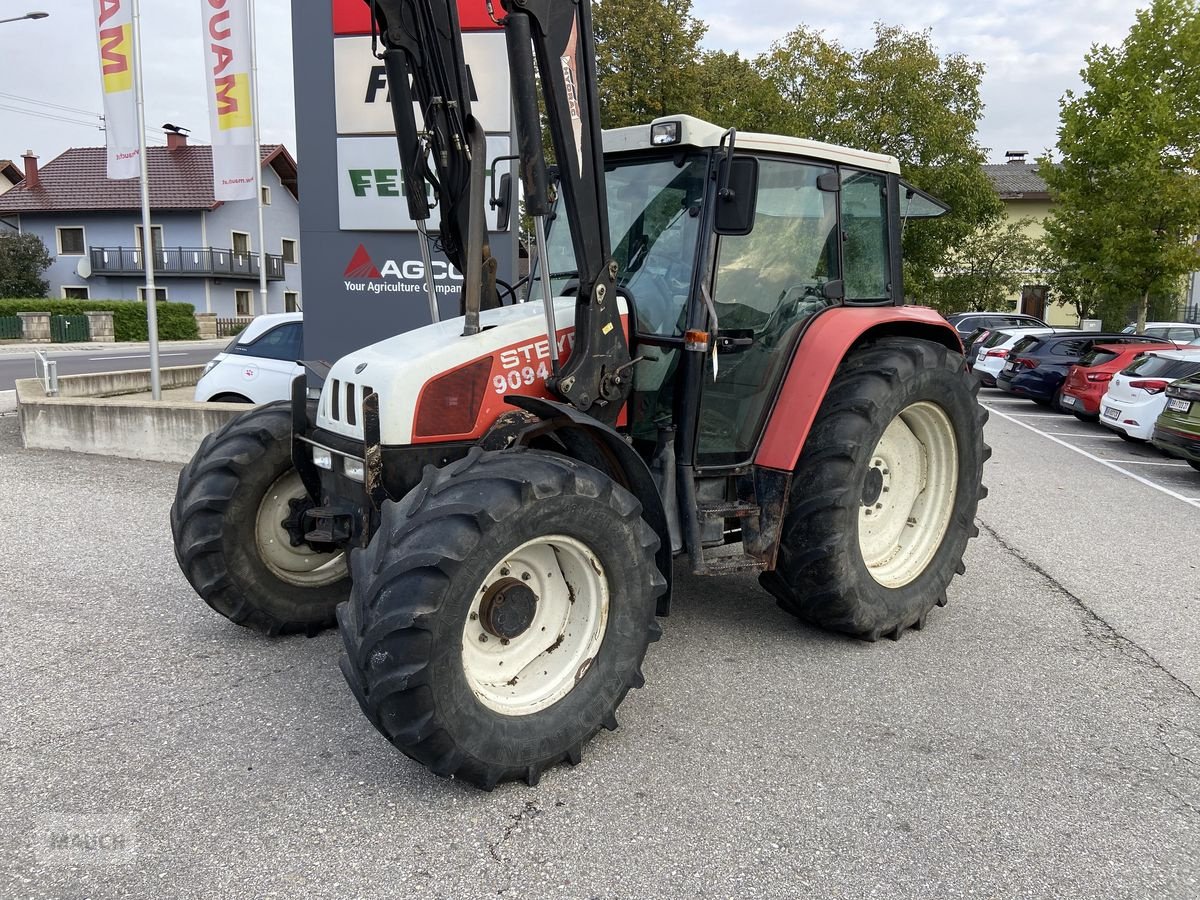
x=825 y=343
x=602 y=447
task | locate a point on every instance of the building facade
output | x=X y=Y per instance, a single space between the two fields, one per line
x=10 y=176
x=205 y=252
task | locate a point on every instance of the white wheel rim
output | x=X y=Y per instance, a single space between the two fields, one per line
x=301 y=566
x=527 y=672
x=908 y=499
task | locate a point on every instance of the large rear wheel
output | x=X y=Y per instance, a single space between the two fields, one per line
x=501 y=613
x=883 y=499
x=235 y=520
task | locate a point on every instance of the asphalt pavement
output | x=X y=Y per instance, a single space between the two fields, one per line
x=1040 y=738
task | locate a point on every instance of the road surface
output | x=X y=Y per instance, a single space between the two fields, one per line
x=20 y=364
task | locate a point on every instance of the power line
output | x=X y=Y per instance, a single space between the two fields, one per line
x=72 y=109
x=98 y=124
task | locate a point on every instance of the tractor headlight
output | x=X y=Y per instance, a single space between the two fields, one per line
x=322 y=458
x=353 y=468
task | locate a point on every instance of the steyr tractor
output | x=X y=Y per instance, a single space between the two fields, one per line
x=713 y=360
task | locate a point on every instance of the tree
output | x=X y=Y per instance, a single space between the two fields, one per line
x=903 y=98
x=648 y=59
x=23 y=258
x=733 y=93
x=1127 y=190
x=983 y=271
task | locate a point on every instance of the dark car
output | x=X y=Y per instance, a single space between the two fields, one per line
x=1177 y=430
x=1037 y=365
x=966 y=322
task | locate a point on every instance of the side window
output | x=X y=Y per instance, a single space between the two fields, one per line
x=1157 y=332
x=282 y=343
x=1069 y=348
x=865 y=225
x=1181 y=334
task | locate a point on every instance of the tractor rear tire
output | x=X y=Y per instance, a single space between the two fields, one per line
x=516 y=557
x=230 y=540
x=883 y=498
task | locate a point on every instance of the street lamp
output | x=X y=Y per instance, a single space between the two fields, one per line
x=31 y=15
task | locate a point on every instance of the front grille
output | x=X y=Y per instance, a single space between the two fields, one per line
x=344 y=401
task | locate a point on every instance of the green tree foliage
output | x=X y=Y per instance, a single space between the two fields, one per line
x=648 y=59
x=733 y=92
x=1127 y=192
x=903 y=98
x=983 y=271
x=23 y=258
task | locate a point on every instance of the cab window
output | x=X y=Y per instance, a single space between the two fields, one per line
x=865 y=226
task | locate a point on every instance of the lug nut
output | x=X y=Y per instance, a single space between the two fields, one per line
x=524 y=576
x=483 y=639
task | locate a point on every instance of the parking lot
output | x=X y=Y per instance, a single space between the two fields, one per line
x=1040 y=738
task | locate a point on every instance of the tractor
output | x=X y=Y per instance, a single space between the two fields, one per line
x=711 y=366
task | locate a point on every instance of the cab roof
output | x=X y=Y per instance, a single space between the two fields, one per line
x=698 y=133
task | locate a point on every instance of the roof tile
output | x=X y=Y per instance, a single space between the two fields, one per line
x=76 y=181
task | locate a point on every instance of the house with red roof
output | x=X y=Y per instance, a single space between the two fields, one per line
x=205 y=252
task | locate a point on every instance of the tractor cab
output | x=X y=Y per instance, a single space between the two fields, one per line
x=738 y=240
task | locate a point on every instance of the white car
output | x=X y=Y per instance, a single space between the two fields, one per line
x=1181 y=333
x=1138 y=394
x=993 y=352
x=258 y=365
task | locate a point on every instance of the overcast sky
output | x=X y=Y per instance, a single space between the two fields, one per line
x=1032 y=50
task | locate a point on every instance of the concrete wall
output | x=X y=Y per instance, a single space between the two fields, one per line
x=81 y=420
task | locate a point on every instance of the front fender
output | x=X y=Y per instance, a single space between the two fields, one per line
x=601 y=446
x=817 y=358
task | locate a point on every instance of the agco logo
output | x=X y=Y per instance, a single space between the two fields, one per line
x=408 y=276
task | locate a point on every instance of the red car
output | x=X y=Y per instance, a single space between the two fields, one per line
x=1088 y=379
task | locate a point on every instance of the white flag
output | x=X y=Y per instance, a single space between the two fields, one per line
x=228 y=64
x=114 y=26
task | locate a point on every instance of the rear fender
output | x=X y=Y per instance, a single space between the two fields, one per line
x=826 y=343
x=600 y=446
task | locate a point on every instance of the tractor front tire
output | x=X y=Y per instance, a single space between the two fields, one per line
x=883 y=498
x=231 y=541
x=501 y=613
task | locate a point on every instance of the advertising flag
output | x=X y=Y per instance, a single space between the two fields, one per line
x=228 y=67
x=114 y=28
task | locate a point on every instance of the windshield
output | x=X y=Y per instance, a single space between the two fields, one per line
x=654 y=224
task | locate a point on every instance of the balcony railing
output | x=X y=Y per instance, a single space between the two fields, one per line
x=185 y=262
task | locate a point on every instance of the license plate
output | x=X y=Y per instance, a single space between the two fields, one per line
x=1111 y=412
x=1181 y=406
x=980 y=356
x=1068 y=400
x=1011 y=367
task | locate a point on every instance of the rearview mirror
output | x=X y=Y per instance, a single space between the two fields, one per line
x=502 y=193
x=737 y=197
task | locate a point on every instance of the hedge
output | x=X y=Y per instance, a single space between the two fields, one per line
x=176 y=321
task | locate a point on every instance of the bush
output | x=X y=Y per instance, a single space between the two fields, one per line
x=176 y=321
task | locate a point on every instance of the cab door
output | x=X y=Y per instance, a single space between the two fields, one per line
x=820 y=238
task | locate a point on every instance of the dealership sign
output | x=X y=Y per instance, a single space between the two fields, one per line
x=354 y=16
x=362 y=91
x=371 y=194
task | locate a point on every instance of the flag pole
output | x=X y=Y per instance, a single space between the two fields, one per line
x=147 y=231
x=258 y=180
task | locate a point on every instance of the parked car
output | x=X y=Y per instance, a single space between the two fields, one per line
x=1177 y=430
x=1179 y=333
x=1037 y=366
x=1137 y=395
x=258 y=365
x=992 y=351
x=966 y=322
x=1089 y=378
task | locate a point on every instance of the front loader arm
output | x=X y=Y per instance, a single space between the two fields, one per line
x=558 y=35
x=423 y=58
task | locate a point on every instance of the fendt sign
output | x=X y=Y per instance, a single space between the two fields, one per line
x=363 y=275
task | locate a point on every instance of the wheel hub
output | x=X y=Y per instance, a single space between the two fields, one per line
x=508 y=609
x=873 y=486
